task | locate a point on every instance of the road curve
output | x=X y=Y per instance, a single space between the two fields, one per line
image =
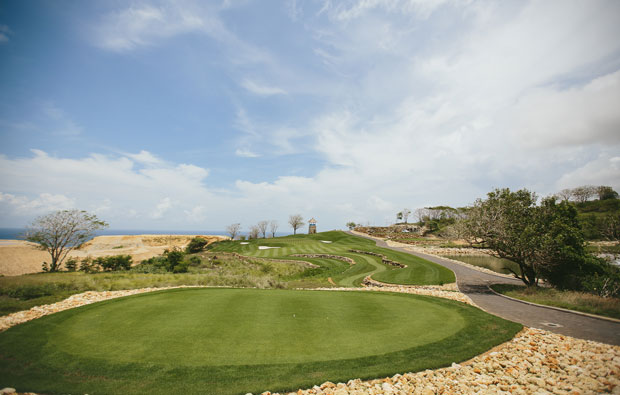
x=475 y=283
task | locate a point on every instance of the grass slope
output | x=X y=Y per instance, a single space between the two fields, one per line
x=226 y=341
x=417 y=272
x=572 y=300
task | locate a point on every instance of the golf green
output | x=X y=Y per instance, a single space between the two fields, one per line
x=239 y=340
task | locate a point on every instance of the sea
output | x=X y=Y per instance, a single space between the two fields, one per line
x=18 y=233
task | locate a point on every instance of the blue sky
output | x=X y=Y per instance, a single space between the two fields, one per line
x=194 y=115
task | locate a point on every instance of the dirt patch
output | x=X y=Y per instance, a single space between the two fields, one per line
x=20 y=257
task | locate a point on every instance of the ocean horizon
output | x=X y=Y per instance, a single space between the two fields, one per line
x=17 y=233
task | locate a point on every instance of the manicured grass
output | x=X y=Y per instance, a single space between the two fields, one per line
x=417 y=272
x=227 y=341
x=579 y=301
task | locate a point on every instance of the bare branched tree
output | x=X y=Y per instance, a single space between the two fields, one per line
x=262 y=227
x=273 y=227
x=254 y=232
x=233 y=230
x=60 y=232
x=296 y=221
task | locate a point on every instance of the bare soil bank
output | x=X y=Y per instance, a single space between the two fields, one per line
x=21 y=257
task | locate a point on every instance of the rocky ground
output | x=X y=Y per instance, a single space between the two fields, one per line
x=534 y=362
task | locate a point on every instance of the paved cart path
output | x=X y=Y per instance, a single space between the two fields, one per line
x=475 y=283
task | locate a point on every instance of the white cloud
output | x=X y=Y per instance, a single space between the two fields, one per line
x=261 y=89
x=548 y=117
x=603 y=170
x=246 y=153
x=41 y=204
x=119 y=186
x=162 y=207
x=145 y=157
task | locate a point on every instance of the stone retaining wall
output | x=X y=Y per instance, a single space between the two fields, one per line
x=327 y=256
x=384 y=259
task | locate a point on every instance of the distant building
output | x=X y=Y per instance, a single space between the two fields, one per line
x=312 y=226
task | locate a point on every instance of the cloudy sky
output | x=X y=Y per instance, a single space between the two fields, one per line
x=194 y=115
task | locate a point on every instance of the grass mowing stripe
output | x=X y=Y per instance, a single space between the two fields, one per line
x=418 y=271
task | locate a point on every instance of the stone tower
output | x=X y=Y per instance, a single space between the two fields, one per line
x=312 y=226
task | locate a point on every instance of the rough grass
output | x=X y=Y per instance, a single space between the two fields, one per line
x=225 y=341
x=417 y=272
x=579 y=301
x=219 y=267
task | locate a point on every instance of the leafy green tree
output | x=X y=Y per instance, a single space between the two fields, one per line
x=195 y=245
x=605 y=192
x=545 y=241
x=60 y=232
x=351 y=225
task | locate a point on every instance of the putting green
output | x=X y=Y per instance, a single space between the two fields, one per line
x=239 y=340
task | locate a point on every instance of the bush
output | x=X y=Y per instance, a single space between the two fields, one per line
x=88 y=265
x=114 y=263
x=605 y=282
x=195 y=261
x=71 y=264
x=197 y=244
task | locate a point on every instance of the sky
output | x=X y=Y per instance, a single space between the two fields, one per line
x=191 y=115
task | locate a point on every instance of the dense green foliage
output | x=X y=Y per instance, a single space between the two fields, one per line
x=224 y=341
x=600 y=219
x=196 y=244
x=544 y=240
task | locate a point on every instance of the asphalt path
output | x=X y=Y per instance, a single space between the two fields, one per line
x=475 y=284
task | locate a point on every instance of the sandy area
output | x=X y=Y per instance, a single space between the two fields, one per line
x=21 y=257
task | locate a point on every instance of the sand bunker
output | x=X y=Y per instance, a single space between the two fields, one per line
x=21 y=257
x=325 y=241
x=265 y=247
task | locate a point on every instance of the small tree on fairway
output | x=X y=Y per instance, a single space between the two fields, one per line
x=273 y=227
x=60 y=232
x=262 y=227
x=296 y=221
x=233 y=230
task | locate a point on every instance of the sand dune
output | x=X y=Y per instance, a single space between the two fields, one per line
x=21 y=257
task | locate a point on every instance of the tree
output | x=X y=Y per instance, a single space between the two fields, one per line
x=565 y=194
x=605 y=192
x=405 y=214
x=351 y=225
x=262 y=227
x=584 y=193
x=296 y=221
x=233 y=230
x=195 y=245
x=545 y=241
x=60 y=232
x=254 y=232
x=273 y=227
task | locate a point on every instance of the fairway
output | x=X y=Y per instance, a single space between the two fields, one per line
x=241 y=340
x=418 y=271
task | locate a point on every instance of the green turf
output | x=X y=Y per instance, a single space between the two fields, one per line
x=417 y=272
x=226 y=341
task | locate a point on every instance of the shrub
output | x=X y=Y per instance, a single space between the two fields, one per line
x=195 y=261
x=88 y=265
x=173 y=257
x=114 y=263
x=71 y=264
x=197 y=244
